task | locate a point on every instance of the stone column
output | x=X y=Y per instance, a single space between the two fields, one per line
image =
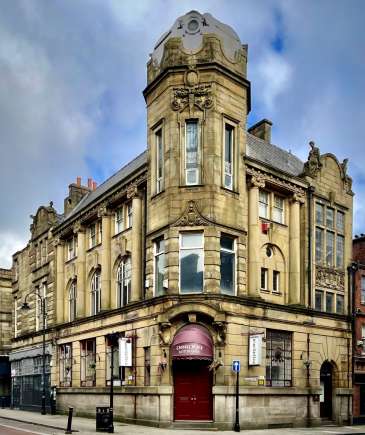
x=254 y=236
x=294 y=249
x=80 y=270
x=60 y=281
x=136 y=292
x=105 y=216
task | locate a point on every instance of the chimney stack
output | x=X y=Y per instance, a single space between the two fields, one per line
x=94 y=185
x=90 y=183
x=262 y=130
x=78 y=181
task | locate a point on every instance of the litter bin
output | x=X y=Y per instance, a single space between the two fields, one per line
x=104 y=419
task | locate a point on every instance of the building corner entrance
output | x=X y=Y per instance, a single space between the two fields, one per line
x=192 y=352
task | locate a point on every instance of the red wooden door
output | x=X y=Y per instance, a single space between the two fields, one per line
x=193 y=398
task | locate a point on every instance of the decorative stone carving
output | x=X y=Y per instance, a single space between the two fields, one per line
x=221 y=329
x=298 y=197
x=132 y=191
x=191 y=217
x=260 y=177
x=121 y=245
x=93 y=260
x=165 y=333
x=330 y=278
x=195 y=96
x=313 y=164
x=257 y=181
x=346 y=179
x=78 y=228
x=103 y=210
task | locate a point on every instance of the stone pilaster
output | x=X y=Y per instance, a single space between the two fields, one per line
x=60 y=281
x=254 y=236
x=134 y=194
x=105 y=216
x=80 y=270
x=294 y=249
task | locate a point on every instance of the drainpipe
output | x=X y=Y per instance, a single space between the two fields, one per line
x=310 y=192
x=308 y=363
x=352 y=311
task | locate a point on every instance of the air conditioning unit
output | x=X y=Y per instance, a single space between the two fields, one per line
x=360 y=342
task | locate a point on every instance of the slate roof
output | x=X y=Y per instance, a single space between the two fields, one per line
x=272 y=155
x=256 y=149
x=116 y=178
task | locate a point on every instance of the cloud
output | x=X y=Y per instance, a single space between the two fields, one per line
x=72 y=76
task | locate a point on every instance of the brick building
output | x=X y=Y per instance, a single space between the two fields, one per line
x=213 y=245
x=359 y=329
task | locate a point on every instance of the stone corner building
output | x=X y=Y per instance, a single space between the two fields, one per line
x=213 y=245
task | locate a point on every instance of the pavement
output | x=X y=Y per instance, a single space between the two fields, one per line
x=33 y=422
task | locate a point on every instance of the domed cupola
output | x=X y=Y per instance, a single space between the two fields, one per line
x=198 y=38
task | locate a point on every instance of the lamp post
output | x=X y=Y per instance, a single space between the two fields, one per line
x=26 y=306
x=113 y=340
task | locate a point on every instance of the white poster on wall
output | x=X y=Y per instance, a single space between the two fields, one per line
x=255 y=350
x=125 y=352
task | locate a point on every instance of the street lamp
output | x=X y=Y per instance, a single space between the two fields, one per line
x=26 y=306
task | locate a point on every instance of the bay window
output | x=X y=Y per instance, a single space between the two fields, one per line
x=191 y=262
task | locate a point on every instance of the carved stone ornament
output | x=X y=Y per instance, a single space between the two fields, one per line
x=221 y=329
x=103 y=210
x=165 y=333
x=313 y=164
x=257 y=181
x=78 y=228
x=330 y=278
x=132 y=191
x=199 y=96
x=298 y=197
x=191 y=217
x=121 y=245
x=347 y=181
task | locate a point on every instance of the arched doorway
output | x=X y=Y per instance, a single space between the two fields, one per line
x=192 y=351
x=326 y=378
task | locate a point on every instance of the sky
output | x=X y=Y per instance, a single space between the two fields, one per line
x=72 y=74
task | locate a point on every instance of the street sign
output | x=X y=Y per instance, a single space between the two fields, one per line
x=236 y=366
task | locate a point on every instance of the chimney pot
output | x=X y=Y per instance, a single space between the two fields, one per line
x=78 y=181
x=90 y=183
x=94 y=185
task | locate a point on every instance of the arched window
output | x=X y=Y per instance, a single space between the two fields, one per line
x=72 y=296
x=124 y=282
x=95 y=292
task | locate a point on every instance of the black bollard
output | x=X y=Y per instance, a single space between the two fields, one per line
x=69 y=421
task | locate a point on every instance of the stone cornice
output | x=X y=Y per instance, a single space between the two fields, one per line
x=268 y=178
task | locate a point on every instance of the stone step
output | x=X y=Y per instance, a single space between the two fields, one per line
x=194 y=425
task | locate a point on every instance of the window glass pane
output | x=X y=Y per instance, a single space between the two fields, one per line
x=339 y=304
x=278 y=358
x=319 y=300
x=160 y=161
x=363 y=289
x=192 y=240
x=276 y=281
x=330 y=217
x=191 y=263
x=263 y=204
x=278 y=209
x=340 y=221
x=227 y=243
x=228 y=156
x=339 y=251
x=329 y=302
x=319 y=214
x=319 y=245
x=191 y=144
x=363 y=331
x=159 y=266
x=263 y=278
x=329 y=248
